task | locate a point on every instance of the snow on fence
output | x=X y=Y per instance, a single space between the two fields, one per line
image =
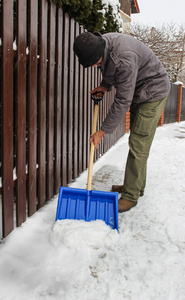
x=45 y=108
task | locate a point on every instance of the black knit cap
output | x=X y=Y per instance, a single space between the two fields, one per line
x=89 y=47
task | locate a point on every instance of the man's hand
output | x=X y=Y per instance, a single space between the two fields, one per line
x=99 y=89
x=96 y=138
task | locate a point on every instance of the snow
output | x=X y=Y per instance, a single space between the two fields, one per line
x=178 y=83
x=77 y=260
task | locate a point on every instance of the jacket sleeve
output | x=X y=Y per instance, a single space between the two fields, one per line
x=106 y=85
x=125 y=81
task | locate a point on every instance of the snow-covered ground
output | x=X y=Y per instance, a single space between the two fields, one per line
x=74 y=260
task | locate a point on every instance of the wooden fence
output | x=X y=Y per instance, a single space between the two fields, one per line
x=45 y=108
x=174 y=110
x=175 y=106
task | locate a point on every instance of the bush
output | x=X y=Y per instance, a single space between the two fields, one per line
x=93 y=15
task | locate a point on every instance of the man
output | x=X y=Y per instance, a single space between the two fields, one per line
x=142 y=84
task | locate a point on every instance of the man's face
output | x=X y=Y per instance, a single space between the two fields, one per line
x=99 y=63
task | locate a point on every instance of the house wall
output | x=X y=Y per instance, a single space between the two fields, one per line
x=126 y=6
x=126 y=22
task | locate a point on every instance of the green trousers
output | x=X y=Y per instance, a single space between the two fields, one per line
x=144 y=118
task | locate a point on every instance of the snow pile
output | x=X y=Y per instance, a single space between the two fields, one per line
x=77 y=260
x=73 y=234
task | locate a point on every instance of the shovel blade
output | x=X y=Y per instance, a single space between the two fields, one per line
x=81 y=204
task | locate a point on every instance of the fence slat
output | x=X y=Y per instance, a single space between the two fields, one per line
x=32 y=106
x=95 y=85
x=75 y=113
x=42 y=105
x=84 y=122
x=58 y=100
x=65 y=100
x=50 y=101
x=80 y=116
x=170 y=110
x=92 y=102
x=100 y=115
x=7 y=117
x=179 y=103
x=88 y=112
x=70 y=103
x=21 y=114
x=183 y=105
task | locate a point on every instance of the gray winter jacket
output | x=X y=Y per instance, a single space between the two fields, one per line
x=135 y=71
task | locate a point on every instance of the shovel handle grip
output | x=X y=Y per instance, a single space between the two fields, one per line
x=97 y=97
x=91 y=157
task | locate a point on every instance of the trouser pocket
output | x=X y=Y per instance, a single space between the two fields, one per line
x=147 y=117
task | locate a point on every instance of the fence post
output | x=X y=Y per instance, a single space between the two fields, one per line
x=127 y=121
x=161 y=120
x=179 y=103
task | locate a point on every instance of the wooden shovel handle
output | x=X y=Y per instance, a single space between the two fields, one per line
x=91 y=158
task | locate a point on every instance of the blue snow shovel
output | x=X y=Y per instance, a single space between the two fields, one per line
x=88 y=205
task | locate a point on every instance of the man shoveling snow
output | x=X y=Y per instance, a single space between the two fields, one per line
x=142 y=85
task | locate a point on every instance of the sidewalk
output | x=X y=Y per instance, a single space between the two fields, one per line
x=79 y=260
